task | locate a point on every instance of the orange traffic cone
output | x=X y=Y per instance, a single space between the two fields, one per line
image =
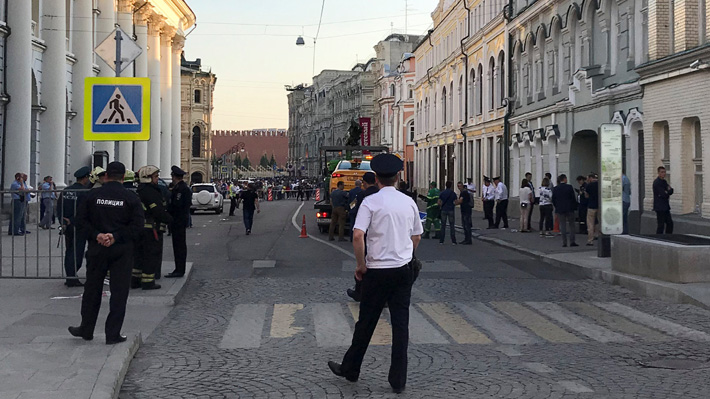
x=303 y=228
x=557 y=225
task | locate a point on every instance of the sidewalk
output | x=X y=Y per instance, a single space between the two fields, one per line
x=583 y=260
x=38 y=357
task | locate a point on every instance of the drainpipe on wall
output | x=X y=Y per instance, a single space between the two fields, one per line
x=7 y=96
x=465 y=86
x=508 y=102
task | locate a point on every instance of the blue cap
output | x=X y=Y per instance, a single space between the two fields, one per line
x=82 y=172
x=386 y=165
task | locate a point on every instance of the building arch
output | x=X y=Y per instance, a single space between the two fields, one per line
x=196 y=142
x=461 y=106
x=479 y=90
x=583 y=154
x=197 y=177
x=443 y=106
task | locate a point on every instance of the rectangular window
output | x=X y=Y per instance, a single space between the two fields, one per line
x=198 y=97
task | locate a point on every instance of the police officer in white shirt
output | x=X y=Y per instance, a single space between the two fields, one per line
x=502 y=203
x=391 y=221
x=489 y=201
x=471 y=187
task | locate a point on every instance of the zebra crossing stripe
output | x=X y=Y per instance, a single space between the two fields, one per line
x=245 y=327
x=383 y=331
x=577 y=323
x=668 y=327
x=497 y=326
x=332 y=329
x=536 y=323
x=454 y=325
x=423 y=332
x=283 y=319
x=616 y=322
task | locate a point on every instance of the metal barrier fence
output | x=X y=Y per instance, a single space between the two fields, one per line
x=36 y=248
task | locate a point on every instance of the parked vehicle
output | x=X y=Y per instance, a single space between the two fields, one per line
x=206 y=197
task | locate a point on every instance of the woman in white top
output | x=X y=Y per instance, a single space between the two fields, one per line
x=546 y=208
x=525 y=201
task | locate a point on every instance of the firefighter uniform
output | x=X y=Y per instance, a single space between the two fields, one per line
x=111 y=218
x=149 y=247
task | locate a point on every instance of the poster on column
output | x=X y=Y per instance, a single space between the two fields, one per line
x=117 y=109
x=610 y=186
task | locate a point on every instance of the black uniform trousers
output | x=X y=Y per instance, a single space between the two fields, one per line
x=179 y=248
x=488 y=211
x=502 y=213
x=380 y=287
x=118 y=259
x=74 y=255
x=148 y=255
x=664 y=221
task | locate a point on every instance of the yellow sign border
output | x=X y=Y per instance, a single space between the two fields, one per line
x=90 y=135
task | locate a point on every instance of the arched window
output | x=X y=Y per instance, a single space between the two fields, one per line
x=411 y=131
x=461 y=102
x=501 y=77
x=409 y=91
x=443 y=106
x=392 y=90
x=471 y=92
x=196 y=142
x=479 y=91
x=491 y=84
x=450 y=117
x=426 y=114
x=434 y=113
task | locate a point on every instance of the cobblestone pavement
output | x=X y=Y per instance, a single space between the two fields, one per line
x=485 y=323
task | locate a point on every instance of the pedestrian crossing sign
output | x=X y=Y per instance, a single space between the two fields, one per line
x=117 y=109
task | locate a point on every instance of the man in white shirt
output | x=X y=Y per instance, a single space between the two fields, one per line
x=391 y=221
x=489 y=200
x=501 y=203
x=471 y=187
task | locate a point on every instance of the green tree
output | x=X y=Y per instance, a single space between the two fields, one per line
x=264 y=161
x=238 y=160
x=272 y=162
x=245 y=162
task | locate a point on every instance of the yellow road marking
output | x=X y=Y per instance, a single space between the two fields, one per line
x=536 y=323
x=454 y=325
x=282 y=322
x=383 y=331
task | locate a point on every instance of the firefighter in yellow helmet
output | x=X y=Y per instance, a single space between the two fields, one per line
x=129 y=180
x=149 y=247
x=97 y=177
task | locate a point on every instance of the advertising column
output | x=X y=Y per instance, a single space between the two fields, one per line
x=610 y=186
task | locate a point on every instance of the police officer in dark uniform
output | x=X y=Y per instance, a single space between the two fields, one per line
x=368 y=179
x=179 y=208
x=149 y=247
x=75 y=242
x=111 y=217
x=391 y=221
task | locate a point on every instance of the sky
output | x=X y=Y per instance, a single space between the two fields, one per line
x=251 y=47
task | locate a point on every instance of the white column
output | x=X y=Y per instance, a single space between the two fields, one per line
x=19 y=87
x=166 y=98
x=140 y=150
x=125 y=20
x=104 y=27
x=176 y=124
x=79 y=150
x=154 y=26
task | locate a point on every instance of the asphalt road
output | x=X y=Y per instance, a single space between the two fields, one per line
x=264 y=313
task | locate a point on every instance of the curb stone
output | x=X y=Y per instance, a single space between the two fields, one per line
x=108 y=384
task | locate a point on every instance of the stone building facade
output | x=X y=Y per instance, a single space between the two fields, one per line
x=320 y=114
x=45 y=61
x=459 y=91
x=197 y=88
x=676 y=83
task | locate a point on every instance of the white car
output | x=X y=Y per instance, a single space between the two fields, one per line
x=206 y=197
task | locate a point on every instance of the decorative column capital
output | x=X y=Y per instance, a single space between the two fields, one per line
x=125 y=5
x=143 y=15
x=178 y=43
x=155 y=24
x=167 y=33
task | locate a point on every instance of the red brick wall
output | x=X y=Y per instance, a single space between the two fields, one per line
x=256 y=143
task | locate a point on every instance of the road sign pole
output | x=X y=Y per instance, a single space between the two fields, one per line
x=118 y=53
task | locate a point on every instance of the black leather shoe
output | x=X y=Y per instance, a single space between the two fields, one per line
x=173 y=275
x=335 y=368
x=135 y=282
x=74 y=283
x=151 y=286
x=116 y=340
x=79 y=332
x=398 y=390
x=353 y=294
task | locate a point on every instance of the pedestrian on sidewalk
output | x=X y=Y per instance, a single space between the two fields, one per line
x=433 y=212
x=528 y=177
x=339 y=203
x=489 y=201
x=466 y=202
x=526 y=202
x=546 y=209
x=391 y=221
x=179 y=208
x=592 y=194
x=369 y=184
x=18 y=205
x=75 y=241
x=501 y=203
x=250 y=201
x=662 y=192
x=471 y=188
x=548 y=176
x=47 y=196
x=448 y=212
x=582 y=200
x=564 y=200
x=625 y=201
x=112 y=218
x=234 y=190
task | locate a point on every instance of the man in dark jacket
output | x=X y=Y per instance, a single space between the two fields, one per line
x=179 y=209
x=149 y=247
x=111 y=218
x=662 y=192
x=565 y=203
x=75 y=242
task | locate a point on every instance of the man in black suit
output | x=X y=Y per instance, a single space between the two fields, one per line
x=662 y=192
x=565 y=203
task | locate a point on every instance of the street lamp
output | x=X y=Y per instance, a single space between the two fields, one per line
x=300 y=41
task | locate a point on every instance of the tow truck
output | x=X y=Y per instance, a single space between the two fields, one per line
x=342 y=163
